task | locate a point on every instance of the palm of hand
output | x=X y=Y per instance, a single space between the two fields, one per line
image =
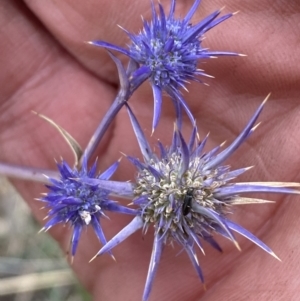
x=46 y=68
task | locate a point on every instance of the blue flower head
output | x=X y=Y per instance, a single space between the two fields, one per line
x=71 y=201
x=186 y=195
x=75 y=199
x=167 y=52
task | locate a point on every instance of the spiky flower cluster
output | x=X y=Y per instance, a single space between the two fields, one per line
x=167 y=51
x=71 y=199
x=184 y=193
x=169 y=48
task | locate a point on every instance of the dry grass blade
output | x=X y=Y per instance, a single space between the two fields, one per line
x=36 y=281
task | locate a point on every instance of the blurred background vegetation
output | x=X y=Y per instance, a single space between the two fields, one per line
x=32 y=266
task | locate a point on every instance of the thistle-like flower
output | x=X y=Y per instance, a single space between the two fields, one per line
x=185 y=194
x=167 y=52
x=74 y=199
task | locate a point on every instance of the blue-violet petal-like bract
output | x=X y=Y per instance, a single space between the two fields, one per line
x=167 y=52
x=186 y=194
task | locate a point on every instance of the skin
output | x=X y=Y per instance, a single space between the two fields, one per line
x=46 y=67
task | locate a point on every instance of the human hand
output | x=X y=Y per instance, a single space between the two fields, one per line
x=46 y=67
